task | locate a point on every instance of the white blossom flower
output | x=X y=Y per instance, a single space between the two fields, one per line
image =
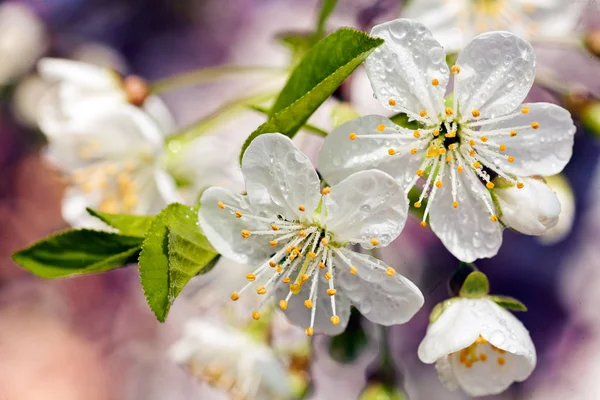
x=478 y=346
x=298 y=235
x=561 y=230
x=457 y=147
x=455 y=22
x=531 y=210
x=230 y=360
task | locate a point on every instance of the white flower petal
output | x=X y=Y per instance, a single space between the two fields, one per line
x=368 y=204
x=340 y=157
x=158 y=110
x=223 y=229
x=78 y=73
x=542 y=151
x=445 y=372
x=299 y=315
x=74 y=205
x=497 y=70
x=466 y=231
x=383 y=299
x=402 y=69
x=279 y=177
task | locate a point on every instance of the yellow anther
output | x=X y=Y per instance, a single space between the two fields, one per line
x=255 y=315
x=476 y=165
x=295 y=288
x=392 y=102
x=245 y=233
x=423 y=224
x=353 y=270
x=484 y=139
x=381 y=127
x=450 y=135
x=273 y=243
x=449 y=111
x=335 y=320
x=535 y=125
x=289 y=249
x=274 y=227
x=301 y=207
x=310 y=331
x=520 y=185
x=279 y=269
x=391 y=152
x=501 y=361
x=302 y=234
x=413 y=151
x=423 y=113
x=476 y=113
x=525 y=110
x=502 y=147
x=352 y=136
x=435 y=82
x=286 y=279
x=221 y=205
x=453 y=146
x=483 y=357
x=471 y=142
x=455 y=204
x=322 y=265
x=494 y=218
x=418 y=204
x=489 y=185
x=416 y=134
x=238 y=214
x=455 y=69
x=439 y=184
x=312 y=254
x=324 y=242
x=449 y=159
x=326 y=191
x=420 y=172
x=261 y=290
x=235 y=296
x=460 y=168
x=251 y=277
x=308 y=303
x=390 y=271
x=442 y=151
x=283 y=304
x=327 y=276
x=472 y=153
x=331 y=292
x=304 y=278
x=374 y=242
x=272 y=264
x=513 y=133
x=510 y=159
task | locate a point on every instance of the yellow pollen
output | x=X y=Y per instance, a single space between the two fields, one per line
x=489 y=185
x=535 y=125
x=510 y=159
x=471 y=142
x=476 y=165
x=255 y=315
x=335 y=320
x=295 y=288
x=391 y=152
x=301 y=207
x=235 y=296
x=460 y=168
x=452 y=146
x=513 y=133
x=238 y=214
x=494 y=218
x=450 y=134
x=353 y=270
x=283 y=304
x=502 y=147
x=390 y=271
x=420 y=172
x=331 y=292
x=423 y=113
x=251 y=277
x=286 y=280
x=483 y=357
x=455 y=204
x=289 y=249
x=322 y=265
x=520 y=185
x=449 y=111
x=274 y=227
x=501 y=361
x=525 y=110
x=302 y=234
x=324 y=242
x=416 y=134
x=435 y=82
x=374 y=242
x=381 y=127
x=221 y=205
x=273 y=243
x=326 y=191
x=272 y=264
x=304 y=278
x=245 y=233
x=455 y=69
x=352 y=136
x=392 y=102
x=308 y=303
x=327 y=276
x=279 y=269
x=418 y=204
x=449 y=159
x=413 y=151
x=312 y=254
x=261 y=290
x=439 y=184
x=476 y=113
x=484 y=139
x=423 y=224
x=310 y=331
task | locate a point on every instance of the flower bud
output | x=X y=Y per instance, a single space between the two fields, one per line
x=562 y=188
x=378 y=391
x=531 y=210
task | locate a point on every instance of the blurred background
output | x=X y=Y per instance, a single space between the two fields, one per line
x=94 y=337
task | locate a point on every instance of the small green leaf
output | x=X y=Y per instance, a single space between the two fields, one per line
x=322 y=70
x=131 y=225
x=327 y=8
x=403 y=120
x=306 y=127
x=78 y=252
x=509 y=303
x=173 y=252
x=476 y=286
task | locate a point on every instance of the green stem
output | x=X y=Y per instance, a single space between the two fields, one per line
x=209 y=74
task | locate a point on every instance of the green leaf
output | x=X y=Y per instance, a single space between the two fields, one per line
x=78 y=252
x=299 y=43
x=307 y=127
x=327 y=8
x=322 y=70
x=342 y=113
x=509 y=303
x=476 y=286
x=131 y=225
x=173 y=252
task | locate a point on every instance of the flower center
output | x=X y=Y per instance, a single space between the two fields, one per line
x=480 y=351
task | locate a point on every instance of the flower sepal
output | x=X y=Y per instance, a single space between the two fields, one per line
x=509 y=303
x=476 y=286
x=439 y=309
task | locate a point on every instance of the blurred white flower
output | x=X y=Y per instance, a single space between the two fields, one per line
x=532 y=210
x=457 y=149
x=562 y=189
x=478 y=346
x=22 y=40
x=293 y=230
x=455 y=22
x=230 y=360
